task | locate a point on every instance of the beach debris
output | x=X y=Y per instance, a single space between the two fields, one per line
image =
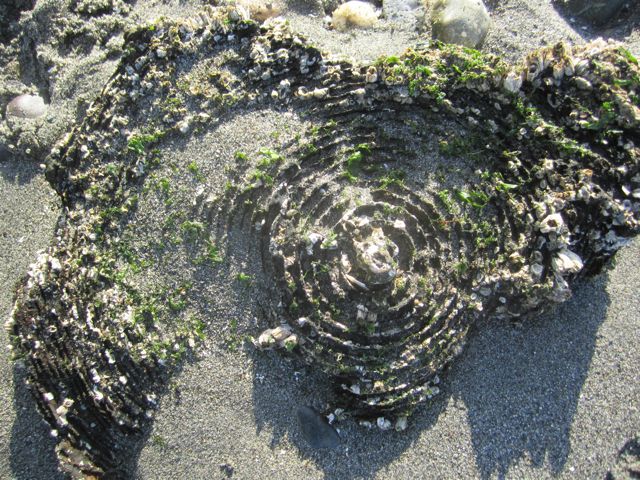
x=316 y=430
x=26 y=106
x=354 y=13
x=360 y=248
x=463 y=22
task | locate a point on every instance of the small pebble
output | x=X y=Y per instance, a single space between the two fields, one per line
x=226 y=469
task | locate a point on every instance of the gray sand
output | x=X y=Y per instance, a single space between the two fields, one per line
x=555 y=396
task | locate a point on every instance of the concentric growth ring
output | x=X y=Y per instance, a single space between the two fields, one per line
x=375 y=263
x=364 y=268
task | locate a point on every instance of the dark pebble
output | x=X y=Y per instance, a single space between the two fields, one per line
x=226 y=469
x=316 y=430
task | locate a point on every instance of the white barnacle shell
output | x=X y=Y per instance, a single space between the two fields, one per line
x=401 y=423
x=95 y=376
x=239 y=14
x=581 y=66
x=540 y=209
x=561 y=290
x=282 y=55
x=536 y=271
x=312 y=239
x=320 y=92
x=109 y=357
x=569 y=67
x=383 y=423
x=184 y=125
x=361 y=312
x=512 y=82
x=371 y=75
x=56 y=266
x=583 y=84
x=284 y=87
x=266 y=340
x=551 y=223
x=354 y=283
x=558 y=72
x=584 y=193
x=566 y=262
x=537 y=64
x=98 y=395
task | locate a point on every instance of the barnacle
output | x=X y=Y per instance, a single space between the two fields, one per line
x=408 y=199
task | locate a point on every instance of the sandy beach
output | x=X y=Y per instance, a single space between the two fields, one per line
x=555 y=396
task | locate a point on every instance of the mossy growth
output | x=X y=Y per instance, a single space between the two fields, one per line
x=354 y=163
x=436 y=70
x=244 y=278
x=470 y=146
x=140 y=142
x=394 y=177
x=475 y=198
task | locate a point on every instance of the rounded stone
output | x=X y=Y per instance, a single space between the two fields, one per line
x=463 y=22
x=26 y=106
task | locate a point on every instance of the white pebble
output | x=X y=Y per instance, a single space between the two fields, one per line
x=26 y=106
x=354 y=13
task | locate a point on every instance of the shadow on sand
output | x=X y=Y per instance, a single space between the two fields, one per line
x=520 y=383
x=610 y=21
x=32 y=447
x=14 y=171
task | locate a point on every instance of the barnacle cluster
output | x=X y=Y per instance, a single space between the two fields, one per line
x=420 y=193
